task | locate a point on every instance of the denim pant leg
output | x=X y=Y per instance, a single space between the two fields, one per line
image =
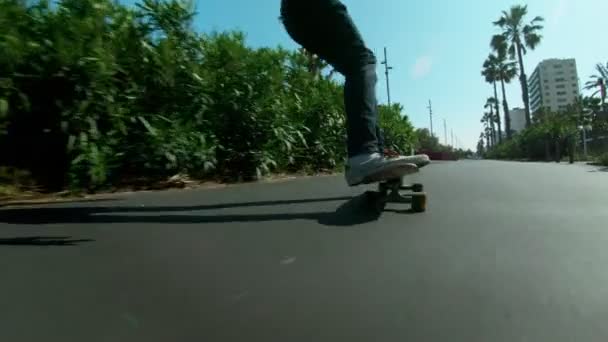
x=325 y=28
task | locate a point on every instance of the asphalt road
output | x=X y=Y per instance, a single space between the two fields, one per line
x=506 y=252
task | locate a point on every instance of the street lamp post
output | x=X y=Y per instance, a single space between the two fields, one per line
x=584 y=128
x=388 y=85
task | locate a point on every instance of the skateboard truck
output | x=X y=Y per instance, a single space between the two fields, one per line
x=390 y=191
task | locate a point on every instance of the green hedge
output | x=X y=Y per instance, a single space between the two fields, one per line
x=93 y=92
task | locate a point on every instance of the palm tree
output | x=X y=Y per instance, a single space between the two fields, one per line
x=599 y=81
x=480 y=147
x=491 y=103
x=490 y=73
x=488 y=133
x=516 y=38
x=503 y=71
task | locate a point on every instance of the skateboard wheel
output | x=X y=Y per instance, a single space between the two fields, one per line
x=419 y=203
x=417 y=188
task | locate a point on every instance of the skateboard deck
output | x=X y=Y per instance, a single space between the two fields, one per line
x=390 y=174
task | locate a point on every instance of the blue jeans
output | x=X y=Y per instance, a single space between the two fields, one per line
x=325 y=28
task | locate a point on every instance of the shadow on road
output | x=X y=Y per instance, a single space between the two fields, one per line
x=42 y=241
x=603 y=169
x=44 y=201
x=352 y=212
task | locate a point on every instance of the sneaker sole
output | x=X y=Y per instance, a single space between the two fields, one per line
x=389 y=173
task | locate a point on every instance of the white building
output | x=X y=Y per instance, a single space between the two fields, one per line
x=518 y=119
x=554 y=84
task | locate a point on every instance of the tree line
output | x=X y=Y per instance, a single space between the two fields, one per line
x=547 y=135
x=94 y=93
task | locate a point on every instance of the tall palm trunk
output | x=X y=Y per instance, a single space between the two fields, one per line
x=498 y=121
x=492 y=126
x=524 y=85
x=505 y=106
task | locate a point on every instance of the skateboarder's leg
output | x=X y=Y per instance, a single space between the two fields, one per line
x=325 y=28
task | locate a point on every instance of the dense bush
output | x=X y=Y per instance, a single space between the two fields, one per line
x=603 y=159
x=553 y=134
x=93 y=92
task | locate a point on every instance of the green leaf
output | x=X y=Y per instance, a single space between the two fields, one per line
x=71 y=143
x=149 y=127
x=3 y=107
x=171 y=157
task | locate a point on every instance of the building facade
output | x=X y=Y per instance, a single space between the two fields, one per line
x=554 y=85
x=518 y=119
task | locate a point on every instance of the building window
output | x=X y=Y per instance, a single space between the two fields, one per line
x=561 y=93
x=562 y=100
x=559 y=79
x=560 y=86
x=557 y=66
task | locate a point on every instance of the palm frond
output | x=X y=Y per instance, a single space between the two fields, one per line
x=490 y=71
x=508 y=71
x=491 y=100
x=592 y=84
x=536 y=20
x=601 y=76
x=499 y=43
x=518 y=12
x=532 y=28
x=602 y=70
x=532 y=40
x=502 y=21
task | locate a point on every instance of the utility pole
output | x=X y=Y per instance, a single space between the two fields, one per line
x=430 y=107
x=452 y=133
x=386 y=69
x=445 y=132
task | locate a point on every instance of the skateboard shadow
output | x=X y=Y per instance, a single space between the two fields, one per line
x=352 y=212
x=42 y=241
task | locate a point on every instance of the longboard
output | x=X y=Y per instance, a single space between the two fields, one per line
x=391 y=173
x=391 y=191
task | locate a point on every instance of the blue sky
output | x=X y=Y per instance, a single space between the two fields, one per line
x=436 y=47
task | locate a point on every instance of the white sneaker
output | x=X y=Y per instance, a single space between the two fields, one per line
x=420 y=160
x=370 y=168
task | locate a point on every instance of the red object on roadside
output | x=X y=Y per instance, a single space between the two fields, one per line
x=433 y=155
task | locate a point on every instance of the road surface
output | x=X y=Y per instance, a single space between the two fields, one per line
x=506 y=252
